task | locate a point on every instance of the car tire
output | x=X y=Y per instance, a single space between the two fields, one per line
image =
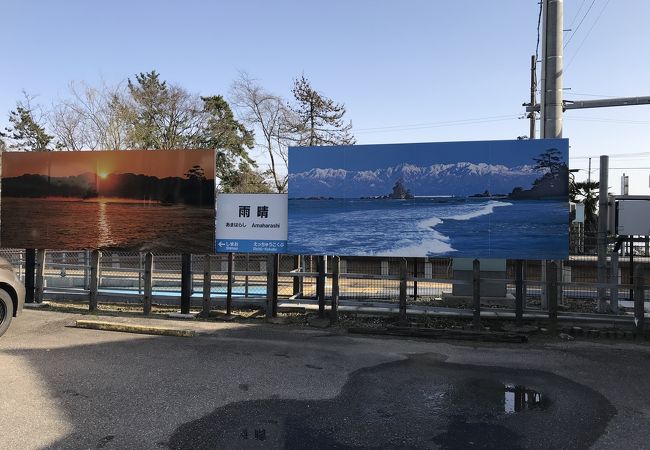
x=6 y=311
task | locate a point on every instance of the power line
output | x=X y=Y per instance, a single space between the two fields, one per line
x=539 y=25
x=578 y=27
x=587 y=35
x=418 y=126
x=577 y=13
x=620 y=155
x=567 y=92
x=607 y=120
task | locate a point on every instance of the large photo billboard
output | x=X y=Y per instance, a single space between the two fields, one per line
x=138 y=200
x=486 y=199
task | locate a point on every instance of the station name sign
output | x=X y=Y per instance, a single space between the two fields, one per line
x=251 y=223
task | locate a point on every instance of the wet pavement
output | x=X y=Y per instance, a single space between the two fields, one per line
x=421 y=402
x=283 y=387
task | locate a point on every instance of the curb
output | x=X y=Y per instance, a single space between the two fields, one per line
x=130 y=328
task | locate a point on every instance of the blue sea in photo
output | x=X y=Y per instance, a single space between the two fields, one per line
x=432 y=226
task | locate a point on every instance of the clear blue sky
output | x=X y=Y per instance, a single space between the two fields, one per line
x=404 y=69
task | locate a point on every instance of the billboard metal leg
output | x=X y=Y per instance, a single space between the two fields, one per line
x=320 y=286
x=519 y=292
x=336 y=271
x=403 y=274
x=30 y=268
x=186 y=282
x=94 y=279
x=476 y=291
x=551 y=284
x=269 y=286
x=39 y=285
x=296 y=280
x=207 y=285
x=231 y=262
x=148 y=283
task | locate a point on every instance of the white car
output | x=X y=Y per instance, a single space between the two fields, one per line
x=12 y=294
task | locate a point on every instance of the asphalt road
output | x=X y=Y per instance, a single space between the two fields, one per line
x=280 y=387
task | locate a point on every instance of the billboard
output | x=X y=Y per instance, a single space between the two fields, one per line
x=136 y=200
x=251 y=223
x=487 y=199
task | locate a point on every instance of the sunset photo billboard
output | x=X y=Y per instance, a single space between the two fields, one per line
x=137 y=200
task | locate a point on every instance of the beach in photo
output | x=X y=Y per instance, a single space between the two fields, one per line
x=493 y=199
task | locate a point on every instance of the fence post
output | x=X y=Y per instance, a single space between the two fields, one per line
x=207 y=284
x=269 y=286
x=39 y=285
x=415 y=275
x=519 y=291
x=148 y=283
x=186 y=282
x=403 y=274
x=296 y=280
x=476 y=291
x=336 y=271
x=613 y=280
x=94 y=279
x=320 y=286
x=551 y=292
x=231 y=262
x=639 y=301
x=30 y=268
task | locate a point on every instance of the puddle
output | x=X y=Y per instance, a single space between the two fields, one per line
x=517 y=398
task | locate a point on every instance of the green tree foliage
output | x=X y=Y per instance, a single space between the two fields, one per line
x=318 y=119
x=166 y=116
x=25 y=132
x=550 y=160
x=162 y=116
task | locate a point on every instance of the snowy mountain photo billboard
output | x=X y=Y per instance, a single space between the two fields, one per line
x=483 y=199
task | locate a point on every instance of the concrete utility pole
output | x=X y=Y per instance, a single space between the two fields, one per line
x=552 y=67
x=551 y=101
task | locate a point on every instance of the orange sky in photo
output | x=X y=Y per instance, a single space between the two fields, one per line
x=158 y=163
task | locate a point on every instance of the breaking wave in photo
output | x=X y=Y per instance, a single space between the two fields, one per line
x=451 y=226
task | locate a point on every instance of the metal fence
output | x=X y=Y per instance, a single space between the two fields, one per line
x=430 y=281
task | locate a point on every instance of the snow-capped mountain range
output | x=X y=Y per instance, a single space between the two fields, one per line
x=461 y=178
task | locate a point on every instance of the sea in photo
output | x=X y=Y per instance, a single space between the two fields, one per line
x=137 y=200
x=452 y=226
x=493 y=199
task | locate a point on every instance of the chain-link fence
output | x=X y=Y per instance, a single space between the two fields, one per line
x=430 y=281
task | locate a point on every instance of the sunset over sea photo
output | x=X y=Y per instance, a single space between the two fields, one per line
x=140 y=200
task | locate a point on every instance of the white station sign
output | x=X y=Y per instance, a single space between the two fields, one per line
x=251 y=223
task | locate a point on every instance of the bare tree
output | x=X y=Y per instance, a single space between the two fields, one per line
x=269 y=116
x=91 y=118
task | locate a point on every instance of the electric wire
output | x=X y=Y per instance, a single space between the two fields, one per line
x=579 y=24
x=587 y=35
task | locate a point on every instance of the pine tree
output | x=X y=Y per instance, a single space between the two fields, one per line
x=318 y=119
x=25 y=133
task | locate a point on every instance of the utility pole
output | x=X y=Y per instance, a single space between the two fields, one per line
x=532 y=116
x=551 y=102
